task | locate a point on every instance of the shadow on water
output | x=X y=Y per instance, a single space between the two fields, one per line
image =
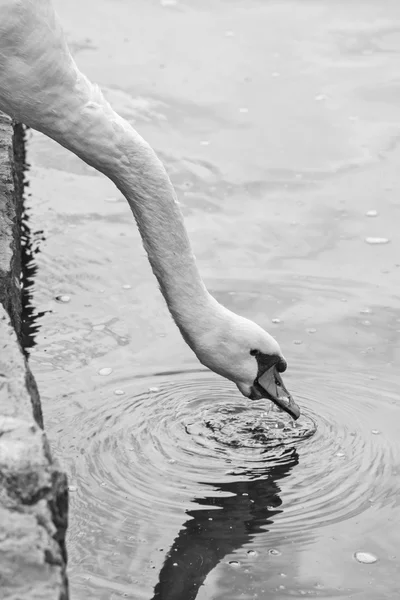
x=224 y=525
x=30 y=247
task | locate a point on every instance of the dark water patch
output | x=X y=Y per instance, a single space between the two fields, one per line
x=30 y=246
x=224 y=525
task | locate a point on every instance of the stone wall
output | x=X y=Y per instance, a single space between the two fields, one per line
x=33 y=489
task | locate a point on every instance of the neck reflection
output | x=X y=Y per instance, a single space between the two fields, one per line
x=225 y=524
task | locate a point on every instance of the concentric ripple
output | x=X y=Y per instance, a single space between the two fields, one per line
x=197 y=437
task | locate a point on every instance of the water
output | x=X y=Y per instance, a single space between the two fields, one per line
x=181 y=488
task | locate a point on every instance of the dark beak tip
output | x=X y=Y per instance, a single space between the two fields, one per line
x=290 y=407
x=296 y=413
x=293 y=409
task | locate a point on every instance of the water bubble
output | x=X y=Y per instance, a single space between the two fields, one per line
x=377 y=240
x=340 y=454
x=63 y=298
x=154 y=389
x=119 y=392
x=204 y=143
x=365 y=311
x=366 y=323
x=311 y=330
x=72 y=488
x=126 y=286
x=371 y=213
x=112 y=199
x=234 y=563
x=297 y=342
x=365 y=557
x=105 y=371
x=276 y=320
x=274 y=552
x=251 y=553
x=375 y=431
x=243 y=110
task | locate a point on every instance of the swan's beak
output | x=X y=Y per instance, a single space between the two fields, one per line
x=271 y=386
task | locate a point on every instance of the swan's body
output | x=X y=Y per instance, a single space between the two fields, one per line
x=41 y=86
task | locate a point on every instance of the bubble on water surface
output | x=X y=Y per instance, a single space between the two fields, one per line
x=377 y=240
x=105 y=371
x=274 y=552
x=371 y=213
x=63 y=298
x=365 y=557
x=234 y=563
x=119 y=392
x=276 y=320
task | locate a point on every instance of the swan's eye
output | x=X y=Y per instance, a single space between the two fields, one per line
x=278 y=383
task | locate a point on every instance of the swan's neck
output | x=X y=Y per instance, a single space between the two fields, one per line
x=95 y=133
x=141 y=177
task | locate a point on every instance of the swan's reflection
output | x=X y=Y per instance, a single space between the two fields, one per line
x=211 y=534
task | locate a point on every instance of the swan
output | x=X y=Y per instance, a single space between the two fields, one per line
x=42 y=87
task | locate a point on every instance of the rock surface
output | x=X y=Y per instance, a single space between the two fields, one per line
x=33 y=489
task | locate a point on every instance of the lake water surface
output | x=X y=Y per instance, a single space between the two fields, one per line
x=279 y=124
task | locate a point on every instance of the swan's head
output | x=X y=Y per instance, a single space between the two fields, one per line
x=243 y=352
